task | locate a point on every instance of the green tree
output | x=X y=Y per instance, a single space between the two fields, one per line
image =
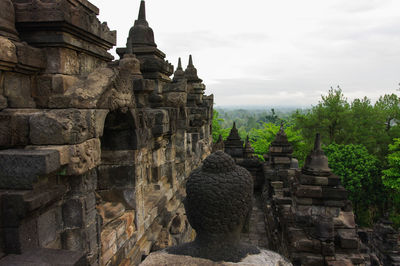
x=330 y=117
x=359 y=173
x=261 y=139
x=391 y=179
x=217 y=128
x=391 y=176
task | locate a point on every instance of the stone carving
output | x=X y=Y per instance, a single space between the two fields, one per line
x=219 y=198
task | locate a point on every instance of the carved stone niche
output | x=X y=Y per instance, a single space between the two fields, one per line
x=116 y=174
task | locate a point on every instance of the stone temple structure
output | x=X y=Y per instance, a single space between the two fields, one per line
x=305 y=213
x=93 y=152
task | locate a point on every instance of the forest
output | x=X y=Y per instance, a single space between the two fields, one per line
x=361 y=140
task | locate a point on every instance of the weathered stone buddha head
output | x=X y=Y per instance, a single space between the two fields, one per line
x=219 y=198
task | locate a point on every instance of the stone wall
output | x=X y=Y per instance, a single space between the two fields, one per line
x=94 y=153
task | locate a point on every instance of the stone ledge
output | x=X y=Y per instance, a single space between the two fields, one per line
x=78 y=158
x=45 y=257
x=19 y=169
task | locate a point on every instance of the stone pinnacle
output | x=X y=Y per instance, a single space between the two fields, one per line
x=142 y=11
x=179 y=64
x=317 y=143
x=190 y=61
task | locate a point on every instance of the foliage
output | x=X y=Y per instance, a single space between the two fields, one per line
x=359 y=173
x=261 y=139
x=391 y=176
x=216 y=127
x=328 y=118
x=358 y=122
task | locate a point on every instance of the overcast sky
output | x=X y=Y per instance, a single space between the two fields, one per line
x=274 y=53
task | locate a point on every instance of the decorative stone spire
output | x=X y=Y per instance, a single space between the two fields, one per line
x=248 y=150
x=316 y=161
x=141 y=34
x=281 y=138
x=280 y=151
x=179 y=73
x=191 y=72
x=142 y=11
x=233 y=144
x=219 y=145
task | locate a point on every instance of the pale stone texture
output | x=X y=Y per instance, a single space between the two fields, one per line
x=9 y=51
x=17 y=89
x=266 y=258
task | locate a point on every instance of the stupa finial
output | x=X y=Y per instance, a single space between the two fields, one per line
x=142 y=11
x=317 y=143
x=190 y=61
x=179 y=63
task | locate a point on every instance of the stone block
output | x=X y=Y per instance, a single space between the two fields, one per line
x=45 y=257
x=88 y=63
x=108 y=254
x=30 y=59
x=110 y=211
x=277 y=184
x=79 y=158
x=281 y=160
x=120 y=157
x=17 y=89
x=61 y=83
x=312 y=260
x=8 y=56
x=47 y=228
x=3 y=102
x=62 y=61
x=338 y=193
x=73 y=213
x=116 y=176
x=129 y=218
x=66 y=126
x=73 y=239
x=328 y=248
x=82 y=184
x=21 y=238
x=348 y=238
x=155 y=174
x=342 y=262
x=125 y=196
x=49 y=84
x=14 y=126
x=19 y=169
x=307 y=245
x=305 y=191
x=334 y=180
x=313 y=180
